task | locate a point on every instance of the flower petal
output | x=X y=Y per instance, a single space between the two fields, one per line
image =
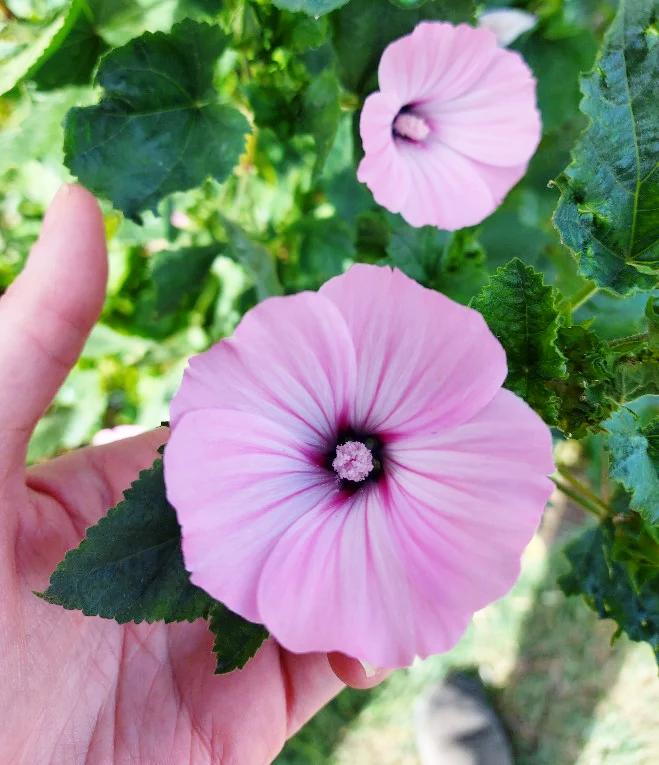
x=450 y=192
x=291 y=360
x=436 y=59
x=388 y=176
x=334 y=582
x=237 y=482
x=399 y=571
x=496 y=121
x=500 y=180
x=478 y=490
x=423 y=361
x=376 y=121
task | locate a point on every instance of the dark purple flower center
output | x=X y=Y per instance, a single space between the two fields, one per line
x=356 y=459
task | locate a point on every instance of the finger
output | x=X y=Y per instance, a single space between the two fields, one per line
x=355 y=673
x=47 y=313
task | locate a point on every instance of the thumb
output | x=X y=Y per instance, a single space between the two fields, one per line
x=46 y=315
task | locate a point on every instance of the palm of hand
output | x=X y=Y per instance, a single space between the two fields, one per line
x=78 y=689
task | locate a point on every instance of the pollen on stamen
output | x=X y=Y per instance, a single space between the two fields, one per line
x=353 y=461
x=411 y=127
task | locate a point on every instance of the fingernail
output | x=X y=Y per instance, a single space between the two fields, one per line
x=369 y=670
x=55 y=209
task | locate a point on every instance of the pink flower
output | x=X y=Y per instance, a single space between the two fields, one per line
x=451 y=129
x=348 y=471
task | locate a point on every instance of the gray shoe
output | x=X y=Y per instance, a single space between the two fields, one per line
x=455 y=725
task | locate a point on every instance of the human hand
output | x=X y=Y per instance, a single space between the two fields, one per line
x=79 y=689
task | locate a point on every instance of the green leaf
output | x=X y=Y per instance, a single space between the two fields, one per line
x=557 y=64
x=408 y=3
x=322 y=113
x=71 y=60
x=29 y=45
x=636 y=366
x=609 y=587
x=311 y=7
x=325 y=246
x=634 y=455
x=586 y=395
x=130 y=567
x=608 y=213
x=255 y=259
x=119 y=21
x=159 y=127
x=364 y=28
x=652 y=316
x=236 y=639
x=453 y=264
x=178 y=277
x=636 y=374
x=521 y=311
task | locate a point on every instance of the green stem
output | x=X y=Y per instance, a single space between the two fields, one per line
x=584 y=490
x=583 y=296
x=630 y=342
x=579 y=500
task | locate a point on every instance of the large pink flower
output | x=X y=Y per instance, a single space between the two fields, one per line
x=451 y=129
x=348 y=470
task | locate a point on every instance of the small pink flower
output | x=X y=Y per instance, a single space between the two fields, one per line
x=348 y=471
x=451 y=129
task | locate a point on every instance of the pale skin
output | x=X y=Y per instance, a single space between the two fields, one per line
x=78 y=689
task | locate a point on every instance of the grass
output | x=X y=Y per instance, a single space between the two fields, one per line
x=566 y=695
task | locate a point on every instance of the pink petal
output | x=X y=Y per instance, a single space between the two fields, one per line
x=237 y=482
x=496 y=121
x=423 y=361
x=449 y=191
x=376 y=120
x=436 y=59
x=291 y=360
x=388 y=175
x=335 y=582
x=400 y=569
x=478 y=490
x=499 y=180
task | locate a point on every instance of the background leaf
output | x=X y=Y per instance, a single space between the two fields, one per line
x=634 y=454
x=24 y=44
x=311 y=7
x=521 y=311
x=322 y=113
x=586 y=393
x=72 y=56
x=159 y=105
x=129 y=566
x=254 y=257
x=609 y=588
x=178 y=276
x=364 y=28
x=452 y=263
x=608 y=213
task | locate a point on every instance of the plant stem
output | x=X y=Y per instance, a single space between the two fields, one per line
x=583 y=296
x=6 y=11
x=630 y=342
x=585 y=491
x=579 y=500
